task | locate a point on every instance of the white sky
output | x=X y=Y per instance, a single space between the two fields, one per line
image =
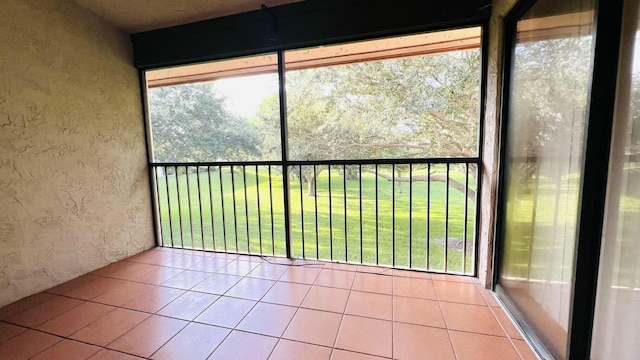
x=246 y=93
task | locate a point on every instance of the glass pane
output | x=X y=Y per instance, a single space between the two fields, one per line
x=406 y=97
x=213 y=112
x=618 y=301
x=551 y=74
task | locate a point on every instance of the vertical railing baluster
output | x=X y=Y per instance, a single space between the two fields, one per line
x=330 y=216
x=315 y=197
x=160 y=223
x=393 y=215
x=446 y=224
x=302 y=212
x=186 y=170
x=179 y=209
x=428 y=257
x=213 y=224
x=476 y=218
x=246 y=206
x=235 y=213
x=273 y=230
x=259 y=210
x=200 y=206
x=410 y=215
x=224 y=221
x=157 y=199
x=166 y=183
x=344 y=190
x=466 y=218
x=377 y=221
x=360 y=208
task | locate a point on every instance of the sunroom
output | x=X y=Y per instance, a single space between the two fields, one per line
x=319 y=179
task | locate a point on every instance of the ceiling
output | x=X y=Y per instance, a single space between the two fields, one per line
x=141 y=15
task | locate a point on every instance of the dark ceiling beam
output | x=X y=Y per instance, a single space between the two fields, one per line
x=302 y=24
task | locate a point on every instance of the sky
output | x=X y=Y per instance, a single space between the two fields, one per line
x=246 y=93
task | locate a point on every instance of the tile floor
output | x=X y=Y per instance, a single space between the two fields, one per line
x=180 y=304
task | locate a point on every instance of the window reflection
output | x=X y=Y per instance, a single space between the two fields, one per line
x=551 y=75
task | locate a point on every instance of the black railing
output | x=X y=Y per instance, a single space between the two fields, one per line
x=420 y=214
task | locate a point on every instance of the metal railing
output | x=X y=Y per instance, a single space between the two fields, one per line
x=417 y=213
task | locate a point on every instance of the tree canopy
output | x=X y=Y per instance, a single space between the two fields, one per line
x=191 y=123
x=415 y=107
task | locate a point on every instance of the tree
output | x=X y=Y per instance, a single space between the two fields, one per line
x=191 y=123
x=416 y=107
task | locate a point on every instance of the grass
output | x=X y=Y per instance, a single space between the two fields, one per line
x=205 y=218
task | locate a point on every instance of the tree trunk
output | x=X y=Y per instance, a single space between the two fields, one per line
x=311 y=187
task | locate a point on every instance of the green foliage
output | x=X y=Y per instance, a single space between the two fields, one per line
x=191 y=123
x=415 y=107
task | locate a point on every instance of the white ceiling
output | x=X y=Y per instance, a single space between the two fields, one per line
x=141 y=15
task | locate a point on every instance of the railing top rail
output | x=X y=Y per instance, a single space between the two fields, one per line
x=218 y=163
x=456 y=160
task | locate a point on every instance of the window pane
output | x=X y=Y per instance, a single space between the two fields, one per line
x=406 y=97
x=551 y=74
x=618 y=302
x=215 y=111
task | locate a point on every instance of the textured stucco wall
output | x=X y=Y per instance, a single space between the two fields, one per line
x=73 y=186
x=500 y=8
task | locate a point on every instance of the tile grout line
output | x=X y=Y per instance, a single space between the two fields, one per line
x=344 y=310
x=149 y=316
x=215 y=301
x=455 y=354
x=245 y=315
x=6 y=320
x=102 y=347
x=505 y=331
x=281 y=337
x=121 y=306
x=128 y=331
x=393 y=315
x=47 y=348
x=8 y=323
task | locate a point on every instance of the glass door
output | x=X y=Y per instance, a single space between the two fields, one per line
x=551 y=67
x=617 y=313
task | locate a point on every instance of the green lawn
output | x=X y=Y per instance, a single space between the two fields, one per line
x=208 y=226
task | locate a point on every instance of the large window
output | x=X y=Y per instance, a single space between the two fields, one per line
x=375 y=160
